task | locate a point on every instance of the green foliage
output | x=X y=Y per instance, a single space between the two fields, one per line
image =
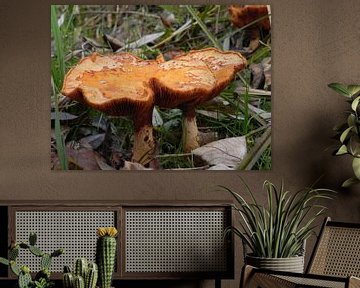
x=279 y=229
x=349 y=131
x=42 y=278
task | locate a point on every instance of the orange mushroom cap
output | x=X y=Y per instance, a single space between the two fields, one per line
x=212 y=71
x=112 y=84
x=241 y=15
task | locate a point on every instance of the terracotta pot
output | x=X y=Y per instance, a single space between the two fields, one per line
x=291 y=264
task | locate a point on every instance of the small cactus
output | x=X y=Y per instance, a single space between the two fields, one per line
x=88 y=273
x=32 y=238
x=106 y=254
x=80 y=268
x=45 y=261
x=91 y=276
x=24 y=280
x=79 y=282
x=13 y=253
x=36 y=251
x=68 y=280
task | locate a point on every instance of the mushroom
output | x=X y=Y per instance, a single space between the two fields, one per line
x=241 y=15
x=125 y=85
x=208 y=72
x=113 y=84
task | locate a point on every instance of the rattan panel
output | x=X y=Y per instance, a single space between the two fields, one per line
x=312 y=282
x=338 y=253
x=75 y=231
x=174 y=241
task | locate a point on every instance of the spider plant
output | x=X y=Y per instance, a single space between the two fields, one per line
x=279 y=229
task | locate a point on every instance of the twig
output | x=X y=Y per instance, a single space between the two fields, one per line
x=173 y=155
x=184 y=27
x=195 y=168
x=120 y=12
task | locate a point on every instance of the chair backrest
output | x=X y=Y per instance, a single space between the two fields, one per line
x=337 y=251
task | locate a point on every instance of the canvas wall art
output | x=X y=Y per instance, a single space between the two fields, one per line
x=161 y=87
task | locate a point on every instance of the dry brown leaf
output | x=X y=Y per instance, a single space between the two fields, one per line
x=228 y=152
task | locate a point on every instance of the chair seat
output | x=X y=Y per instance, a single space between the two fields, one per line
x=263 y=278
x=315 y=282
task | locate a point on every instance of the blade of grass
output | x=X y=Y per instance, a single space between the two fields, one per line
x=60 y=145
x=59 y=49
x=250 y=159
x=203 y=27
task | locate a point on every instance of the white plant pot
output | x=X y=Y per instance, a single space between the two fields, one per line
x=291 y=264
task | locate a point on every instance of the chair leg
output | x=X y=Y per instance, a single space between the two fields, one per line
x=246 y=274
x=217 y=283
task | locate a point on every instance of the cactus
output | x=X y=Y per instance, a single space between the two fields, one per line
x=45 y=261
x=68 y=280
x=14 y=268
x=105 y=254
x=79 y=282
x=91 y=276
x=32 y=238
x=13 y=253
x=36 y=251
x=24 y=280
x=23 y=273
x=80 y=267
x=87 y=272
x=4 y=261
x=44 y=273
x=57 y=252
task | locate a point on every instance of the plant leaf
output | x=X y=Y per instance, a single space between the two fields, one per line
x=356 y=167
x=353 y=89
x=355 y=103
x=349 y=182
x=342 y=150
x=344 y=134
x=341 y=89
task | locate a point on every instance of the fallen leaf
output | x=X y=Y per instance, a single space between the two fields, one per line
x=133 y=166
x=102 y=164
x=144 y=40
x=113 y=42
x=228 y=151
x=92 y=141
x=64 y=116
x=82 y=158
x=257 y=76
x=220 y=167
x=156 y=118
x=207 y=137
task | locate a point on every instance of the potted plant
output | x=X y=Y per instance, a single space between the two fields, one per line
x=276 y=233
x=349 y=132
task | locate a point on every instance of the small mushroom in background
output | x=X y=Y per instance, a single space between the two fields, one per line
x=241 y=15
x=208 y=72
x=113 y=84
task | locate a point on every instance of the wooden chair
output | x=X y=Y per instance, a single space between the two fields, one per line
x=334 y=263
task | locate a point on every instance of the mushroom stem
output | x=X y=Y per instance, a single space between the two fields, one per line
x=144 y=145
x=190 y=133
